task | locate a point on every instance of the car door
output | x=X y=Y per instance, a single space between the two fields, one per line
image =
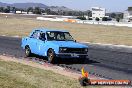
x=33 y=42
x=40 y=44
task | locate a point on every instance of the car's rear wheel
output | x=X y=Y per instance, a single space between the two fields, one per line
x=51 y=56
x=28 y=51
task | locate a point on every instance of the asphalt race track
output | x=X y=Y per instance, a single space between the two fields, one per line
x=103 y=61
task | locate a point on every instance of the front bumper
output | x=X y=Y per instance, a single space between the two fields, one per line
x=72 y=55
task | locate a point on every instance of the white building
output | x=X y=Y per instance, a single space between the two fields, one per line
x=128 y=14
x=18 y=12
x=98 y=12
x=21 y=12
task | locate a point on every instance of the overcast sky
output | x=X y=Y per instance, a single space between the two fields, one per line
x=110 y=5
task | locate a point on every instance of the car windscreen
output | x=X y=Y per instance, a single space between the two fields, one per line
x=59 y=36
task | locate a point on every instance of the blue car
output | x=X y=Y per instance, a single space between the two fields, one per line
x=53 y=44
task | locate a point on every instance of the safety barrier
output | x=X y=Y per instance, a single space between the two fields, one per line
x=108 y=23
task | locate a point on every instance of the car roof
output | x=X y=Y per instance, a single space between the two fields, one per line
x=46 y=30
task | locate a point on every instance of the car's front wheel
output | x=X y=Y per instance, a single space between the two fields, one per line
x=51 y=56
x=27 y=51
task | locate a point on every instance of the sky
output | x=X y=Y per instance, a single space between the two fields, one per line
x=110 y=5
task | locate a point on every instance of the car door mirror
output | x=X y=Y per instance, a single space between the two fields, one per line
x=75 y=40
x=31 y=37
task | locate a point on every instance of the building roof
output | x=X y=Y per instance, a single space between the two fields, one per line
x=97 y=9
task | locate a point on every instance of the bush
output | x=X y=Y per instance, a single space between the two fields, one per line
x=117 y=19
x=81 y=18
x=104 y=19
x=97 y=19
x=109 y=19
x=90 y=19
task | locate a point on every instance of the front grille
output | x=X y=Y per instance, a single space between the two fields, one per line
x=75 y=50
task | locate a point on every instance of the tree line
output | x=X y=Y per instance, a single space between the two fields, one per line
x=80 y=14
x=10 y=9
x=38 y=10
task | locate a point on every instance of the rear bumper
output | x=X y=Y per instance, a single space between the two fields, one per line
x=72 y=55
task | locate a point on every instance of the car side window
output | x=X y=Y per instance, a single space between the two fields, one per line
x=35 y=35
x=42 y=36
x=51 y=35
x=60 y=36
x=68 y=36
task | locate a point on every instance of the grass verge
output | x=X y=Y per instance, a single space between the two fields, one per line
x=16 y=75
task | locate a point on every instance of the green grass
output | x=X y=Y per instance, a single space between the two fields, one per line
x=16 y=75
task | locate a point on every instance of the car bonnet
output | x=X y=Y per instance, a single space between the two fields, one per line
x=69 y=44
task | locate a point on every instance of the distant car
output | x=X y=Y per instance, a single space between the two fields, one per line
x=53 y=44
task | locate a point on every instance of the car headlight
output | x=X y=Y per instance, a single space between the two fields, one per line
x=62 y=49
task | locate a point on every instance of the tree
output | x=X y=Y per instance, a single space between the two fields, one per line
x=81 y=18
x=1 y=9
x=37 y=10
x=90 y=14
x=97 y=19
x=117 y=19
x=48 y=11
x=113 y=15
x=120 y=15
x=69 y=13
x=104 y=19
x=30 y=9
x=13 y=9
x=7 y=9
